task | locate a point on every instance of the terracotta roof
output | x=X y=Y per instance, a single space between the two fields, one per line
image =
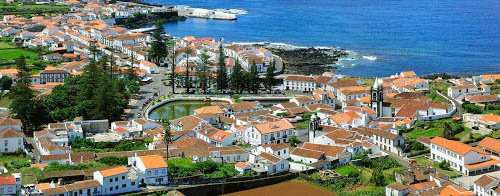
x=491 y=118
x=483 y=164
x=7 y=180
x=113 y=171
x=344 y=83
x=272 y=127
x=43 y=186
x=270 y=157
x=54 y=191
x=120 y=130
x=209 y=109
x=397 y=186
x=486 y=180
x=346 y=117
x=300 y=78
x=153 y=161
x=80 y=185
x=331 y=151
x=304 y=99
x=490 y=143
x=455 y=190
x=275 y=146
x=243 y=106
x=422 y=186
x=10 y=122
x=408 y=73
x=308 y=153
x=339 y=134
x=241 y=165
x=11 y=133
x=456 y=146
x=188 y=122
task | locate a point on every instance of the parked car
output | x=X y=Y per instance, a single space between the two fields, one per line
x=475 y=127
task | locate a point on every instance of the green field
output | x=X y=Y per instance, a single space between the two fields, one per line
x=29 y=175
x=29 y=10
x=344 y=170
x=5 y=101
x=6 y=45
x=432 y=132
x=441 y=86
x=11 y=54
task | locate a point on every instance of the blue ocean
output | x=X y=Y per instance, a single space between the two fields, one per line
x=427 y=36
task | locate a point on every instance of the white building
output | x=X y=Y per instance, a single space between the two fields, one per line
x=117 y=180
x=466 y=159
x=12 y=123
x=487 y=185
x=299 y=83
x=270 y=163
x=396 y=189
x=11 y=141
x=282 y=150
x=267 y=133
x=153 y=168
x=11 y=184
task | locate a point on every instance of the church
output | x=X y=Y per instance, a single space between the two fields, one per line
x=414 y=106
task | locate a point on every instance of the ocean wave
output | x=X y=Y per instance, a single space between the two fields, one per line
x=371 y=58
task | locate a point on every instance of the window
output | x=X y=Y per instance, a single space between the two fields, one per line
x=149 y=173
x=123 y=177
x=282 y=166
x=111 y=180
x=6 y=142
x=116 y=179
x=116 y=187
x=80 y=191
x=164 y=171
x=111 y=189
x=124 y=185
x=156 y=172
x=133 y=183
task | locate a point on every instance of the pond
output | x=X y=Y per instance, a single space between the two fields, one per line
x=178 y=109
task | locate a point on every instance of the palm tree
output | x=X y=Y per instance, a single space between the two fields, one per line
x=187 y=52
x=167 y=134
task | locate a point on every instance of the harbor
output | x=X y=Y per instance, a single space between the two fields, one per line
x=220 y=14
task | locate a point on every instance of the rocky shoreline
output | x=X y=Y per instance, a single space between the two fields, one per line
x=141 y=20
x=309 y=60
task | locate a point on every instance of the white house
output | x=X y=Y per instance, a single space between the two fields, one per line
x=299 y=83
x=487 y=185
x=150 y=67
x=153 y=168
x=466 y=159
x=11 y=140
x=459 y=92
x=86 y=187
x=216 y=136
x=12 y=123
x=11 y=184
x=266 y=133
x=270 y=163
x=396 y=189
x=116 y=180
x=307 y=156
x=282 y=150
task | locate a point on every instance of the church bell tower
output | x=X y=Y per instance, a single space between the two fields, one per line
x=377 y=97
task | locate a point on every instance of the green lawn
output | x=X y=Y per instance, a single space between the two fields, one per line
x=431 y=132
x=344 y=170
x=425 y=161
x=301 y=125
x=29 y=175
x=6 y=45
x=5 y=101
x=441 y=86
x=496 y=134
x=11 y=54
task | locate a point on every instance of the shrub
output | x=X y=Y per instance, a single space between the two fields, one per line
x=444 y=165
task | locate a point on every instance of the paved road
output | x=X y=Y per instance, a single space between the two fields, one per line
x=460 y=109
x=147 y=91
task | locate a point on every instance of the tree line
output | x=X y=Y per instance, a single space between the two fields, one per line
x=101 y=92
x=238 y=81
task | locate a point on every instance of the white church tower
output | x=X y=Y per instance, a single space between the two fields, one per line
x=377 y=97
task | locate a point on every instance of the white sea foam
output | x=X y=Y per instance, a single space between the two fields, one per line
x=371 y=58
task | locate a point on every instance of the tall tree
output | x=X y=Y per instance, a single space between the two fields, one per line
x=203 y=73
x=6 y=82
x=222 y=78
x=269 y=81
x=253 y=83
x=167 y=134
x=172 y=71
x=238 y=78
x=187 y=80
x=158 y=50
x=25 y=106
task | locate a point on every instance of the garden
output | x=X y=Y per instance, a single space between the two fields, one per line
x=369 y=178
